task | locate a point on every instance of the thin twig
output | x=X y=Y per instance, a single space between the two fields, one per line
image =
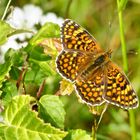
x=20 y=78
x=97 y=120
x=101 y=116
x=41 y=89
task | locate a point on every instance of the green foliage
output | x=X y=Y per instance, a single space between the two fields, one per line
x=5 y=31
x=29 y=83
x=4 y=70
x=51 y=108
x=26 y=71
x=77 y=135
x=22 y=68
x=19 y=120
x=47 y=31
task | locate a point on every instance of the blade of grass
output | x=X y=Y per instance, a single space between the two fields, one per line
x=123 y=44
x=6 y=9
x=132 y=124
x=125 y=65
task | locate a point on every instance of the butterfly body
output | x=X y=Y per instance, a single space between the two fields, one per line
x=95 y=77
x=97 y=63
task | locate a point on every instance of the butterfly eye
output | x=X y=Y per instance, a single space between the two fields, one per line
x=109 y=53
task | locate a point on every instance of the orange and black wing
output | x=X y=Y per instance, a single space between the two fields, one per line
x=79 y=47
x=92 y=90
x=76 y=38
x=118 y=89
x=71 y=64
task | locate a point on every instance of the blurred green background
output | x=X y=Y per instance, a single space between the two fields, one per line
x=100 y=18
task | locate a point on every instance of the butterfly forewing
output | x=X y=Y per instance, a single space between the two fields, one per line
x=118 y=88
x=71 y=64
x=74 y=37
x=78 y=48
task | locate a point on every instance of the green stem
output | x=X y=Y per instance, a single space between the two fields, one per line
x=124 y=54
x=132 y=124
x=94 y=129
x=6 y=9
x=125 y=65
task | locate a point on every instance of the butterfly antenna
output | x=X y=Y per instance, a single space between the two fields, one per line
x=108 y=32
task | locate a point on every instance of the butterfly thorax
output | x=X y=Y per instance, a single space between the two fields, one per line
x=98 y=62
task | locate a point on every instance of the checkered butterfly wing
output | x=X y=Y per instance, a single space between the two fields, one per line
x=118 y=88
x=78 y=48
x=76 y=38
x=71 y=64
x=92 y=90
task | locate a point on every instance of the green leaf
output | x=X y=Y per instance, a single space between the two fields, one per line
x=49 y=30
x=21 y=123
x=9 y=90
x=6 y=30
x=52 y=108
x=52 y=84
x=34 y=75
x=37 y=53
x=17 y=57
x=4 y=70
x=47 y=69
x=78 y=135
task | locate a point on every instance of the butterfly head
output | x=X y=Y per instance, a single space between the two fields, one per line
x=108 y=53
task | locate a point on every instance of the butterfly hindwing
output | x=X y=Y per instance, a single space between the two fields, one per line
x=118 y=88
x=91 y=91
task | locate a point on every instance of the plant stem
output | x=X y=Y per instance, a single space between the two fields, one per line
x=123 y=44
x=132 y=124
x=125 y=66
x=94 y=129
x=6 y=9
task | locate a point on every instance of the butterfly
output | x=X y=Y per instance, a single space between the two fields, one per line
x=95 y=77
